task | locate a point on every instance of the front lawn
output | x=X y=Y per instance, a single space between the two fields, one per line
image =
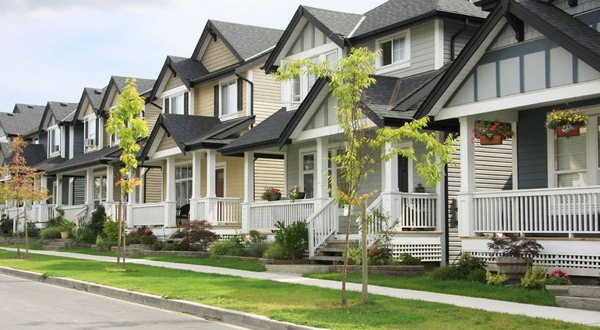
x=461 y=288
x=253 y=266
x=282 y=301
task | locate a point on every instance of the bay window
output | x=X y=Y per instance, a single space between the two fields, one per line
x=228 y=100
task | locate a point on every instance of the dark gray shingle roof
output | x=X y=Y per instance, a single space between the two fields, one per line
x=396 y=11
x=338 y=22
x=247 y=40
x=95 y=96
x=33 y=153
x=85 y=159
x=62 y=111
x=187 y=69
x=142 y=85
x=24 y=120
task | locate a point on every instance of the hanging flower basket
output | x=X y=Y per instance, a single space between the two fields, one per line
x=491 y=132
x=566 y=123
x=271 y=194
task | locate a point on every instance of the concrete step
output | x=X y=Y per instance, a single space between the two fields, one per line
x=332 y=250
x=328 y=258
x=584 y=291
x=591 y=304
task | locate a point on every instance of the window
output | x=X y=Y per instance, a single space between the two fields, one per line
x=100 y=189
x=394 y=50
x=177 y=104
x=570 y=160
x=183 y=184
x=307 y=174
x=89 y=132
x=228 y=99
x=53 y=140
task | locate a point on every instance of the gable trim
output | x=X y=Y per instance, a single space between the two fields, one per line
x=214 y=33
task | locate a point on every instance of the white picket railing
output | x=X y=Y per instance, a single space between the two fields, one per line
x=74 y=211
x=323 y=223
x=264 y=216
x=375 y=225
x=417 y=210
x=561 y=210
x=228 y=210
x=148 y=214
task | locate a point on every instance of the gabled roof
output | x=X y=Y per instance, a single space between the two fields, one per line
x=395 y=13
x=33 y=154
x=566 y=31
x=92 y=95
x=118 y=83
x=62 y=111
x=186 y=69
x=48 y=164
x=24 y=120
x=244 y=41
x=264 y=135
x=101 y=156
x=24 y=108
x=192 y=132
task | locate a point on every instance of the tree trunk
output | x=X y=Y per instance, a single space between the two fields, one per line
x=345 y=268
x=124 y=226
x=365 y=256
x=119 y=238
x=18 y=233
x=25 y=225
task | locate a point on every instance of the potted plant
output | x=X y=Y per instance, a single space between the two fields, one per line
x=515 y=254
x=65 y=228
x=492 y=132
x=566 y=123
x=271 y=194
x=295 y=193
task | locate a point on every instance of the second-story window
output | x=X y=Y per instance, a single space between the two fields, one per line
x=89 y=133
x=177 y=104
x=228 y=99
x=53 y=138
x=296 y=89
x=393 y=50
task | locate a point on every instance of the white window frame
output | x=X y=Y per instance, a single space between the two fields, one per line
x=54 y=130
x=395 y=65
x=232 y=82
x=170 y=98
x=113 y=140
x=86 y=135
x=302 y=172
x=103 y=189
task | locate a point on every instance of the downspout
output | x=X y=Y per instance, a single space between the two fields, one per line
x=251 y=105
x=454 y=36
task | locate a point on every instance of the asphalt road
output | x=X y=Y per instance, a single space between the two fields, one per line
x=32 y=305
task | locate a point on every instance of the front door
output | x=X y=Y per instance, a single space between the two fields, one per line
x=220 y=182
x=403 y=174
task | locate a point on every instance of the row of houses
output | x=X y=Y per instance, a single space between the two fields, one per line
x=223 y=129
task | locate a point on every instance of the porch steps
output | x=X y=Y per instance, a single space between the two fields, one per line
x=333 y=252
x=581 y=297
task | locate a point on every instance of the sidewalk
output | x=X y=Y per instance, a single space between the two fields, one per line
x=562 y=314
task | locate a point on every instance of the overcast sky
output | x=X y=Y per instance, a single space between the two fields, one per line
x=51 y=49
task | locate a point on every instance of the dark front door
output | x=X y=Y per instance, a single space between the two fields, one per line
x=220 y=182
x=403 y=174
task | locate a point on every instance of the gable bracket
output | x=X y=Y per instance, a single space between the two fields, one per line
x=517 y=25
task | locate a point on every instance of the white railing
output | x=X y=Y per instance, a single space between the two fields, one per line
x=74 y=211
x=561 y=210
x=228 y=210
x=264 y=216
x=375 y=225
x=43 y=212
x=417 y=210
x=321 y=225
x=148 y=214
x=198 y=209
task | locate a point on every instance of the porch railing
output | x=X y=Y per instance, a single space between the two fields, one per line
x=561 y=210
x=228 y=210
x=74 y=211
x=375 y=225
x=417 y=210
x=264 y=216
x=149 y=214
x=321 y=225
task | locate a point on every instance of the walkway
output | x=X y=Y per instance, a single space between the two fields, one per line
x=557 y=313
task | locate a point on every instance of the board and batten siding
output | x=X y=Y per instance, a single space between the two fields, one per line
x=325 y=114
x=217 y=56
x=309 y=37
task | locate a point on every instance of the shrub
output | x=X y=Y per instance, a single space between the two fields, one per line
x=256 y=250
x=158 y=245
x=97 y=220
x=149 y=238
x=558 y=276
x=354 y=255
x=467 y=269
x=50 y=233
x=6 y=225
x=85 y=234
x=515 y=246
x=198 y=233
x=380 y=256
x=35 y=246
x=277 y=251
x=408 y=260
x=495 y=279
x=184 y=244
x=557 y=281
x=33 y=230
x=535 y=278
x=293 y=239
x=108 y=242
x=230 y=247
x=111 y=230
x=140 y=235
x=169 y=247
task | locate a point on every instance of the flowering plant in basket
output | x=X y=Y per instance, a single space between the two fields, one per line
x=492 y=132
x=566 y=122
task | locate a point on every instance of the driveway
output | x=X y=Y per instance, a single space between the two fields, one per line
x=31 y=305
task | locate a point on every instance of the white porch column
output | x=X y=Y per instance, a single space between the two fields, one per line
x=322 y=185
x=466 y=209
x=58 y=198
x=211 y=188
x=196 y=185
x=248 y=190
x=390 y=188
x=110 y=184
x=170 y=197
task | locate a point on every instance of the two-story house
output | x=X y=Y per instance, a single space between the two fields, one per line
x=23 y=121
x=415 y=40
x=208 y=100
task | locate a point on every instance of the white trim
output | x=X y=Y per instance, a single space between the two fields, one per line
x=301 y=153
x=439 y=43
x=173 y=91
x=515 y=159
x=172 y=94
x=86 y=120
x=395 y=65
x=411 y=165
x=191 y=101
x=50 y=152
x=524 y=101
x=356 y=27
x=71 y=141
x=166 y=153
x=249 y=93
x=326 y=48
x=228 y=81
x=70 y=192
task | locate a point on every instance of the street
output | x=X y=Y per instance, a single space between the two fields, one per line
x=32 y=305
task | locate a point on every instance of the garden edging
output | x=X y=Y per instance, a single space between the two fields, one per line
x=237 y=318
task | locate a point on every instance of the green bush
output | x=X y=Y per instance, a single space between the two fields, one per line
x=354 y=255
x=111 y=230
x=149 y=239
x=557 y=281
x=85 y=234
x=276 y=251
x=169 y=247
x=107 y=243
x=495 y=279
x=35 y=246
x=50 y=233
x=97 y=220
x=381 y=256
x=6 y=225
x=33 y=230
x=535 y=278
x=293 y=239
x=408 y=260
x=467 y=269
x=230 y=247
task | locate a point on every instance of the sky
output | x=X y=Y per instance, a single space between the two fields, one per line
x=52 y=49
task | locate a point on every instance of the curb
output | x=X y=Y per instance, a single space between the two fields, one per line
x=242 y=319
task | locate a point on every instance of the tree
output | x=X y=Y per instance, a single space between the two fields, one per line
x=22 y=185
x=348 y=79
x=127 y=124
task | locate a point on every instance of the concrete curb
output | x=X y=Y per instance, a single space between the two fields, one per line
x=241 y=319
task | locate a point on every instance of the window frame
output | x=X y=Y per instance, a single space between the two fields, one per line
x=86 y=132
x=189 y=180
x=395 y=65
x=230 y=84
x=54 y=131
x=302 y=172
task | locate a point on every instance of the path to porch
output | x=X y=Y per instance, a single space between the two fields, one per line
x=562 y=314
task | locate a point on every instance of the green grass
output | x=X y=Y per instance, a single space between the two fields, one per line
x=32 y=246
x=282 y=301
x=461 y=288
x=253 y=266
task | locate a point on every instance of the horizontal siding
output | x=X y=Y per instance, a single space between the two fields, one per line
x=217 y=56
x=173 y=82
x=152 y=113
x=78 y=191
x=450 y=29
x=267 y=94
x=204 y=100
x=153 y=186
x=78 y=139
x=166 y=143
x=268 y=173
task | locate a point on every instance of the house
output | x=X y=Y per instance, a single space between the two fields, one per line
x=528 y=58
x=24 y=121
x=207 y=101
x=417 y=39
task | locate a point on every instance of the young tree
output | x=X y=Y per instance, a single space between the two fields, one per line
x=348 y=79
x=21 y=185
x=127 y=124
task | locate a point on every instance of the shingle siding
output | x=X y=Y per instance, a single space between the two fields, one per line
x=532 y=149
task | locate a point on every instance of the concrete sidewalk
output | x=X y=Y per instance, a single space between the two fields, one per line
x=556 y=313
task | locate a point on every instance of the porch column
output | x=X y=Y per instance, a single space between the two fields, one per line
x=170 y=197
x=110 y=183
x=248 y=190
x=44 y=184
x=211 y=188
x=89 y=187
x=466 y=210
x=390 y=187
x=440 y=192
x=322 y=186
x=196 y=211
